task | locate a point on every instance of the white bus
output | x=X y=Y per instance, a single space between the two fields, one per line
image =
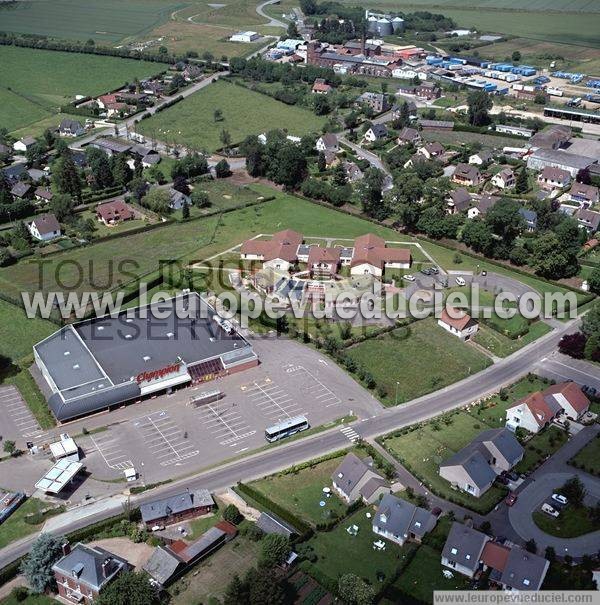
x=285 y=428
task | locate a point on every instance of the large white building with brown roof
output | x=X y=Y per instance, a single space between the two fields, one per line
x=371 y=256
x=280 y=252
x=537 y=410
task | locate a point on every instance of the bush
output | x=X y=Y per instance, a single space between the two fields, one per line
x=232 y=514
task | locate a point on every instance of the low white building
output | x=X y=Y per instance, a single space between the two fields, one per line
x=24 y=144
x=45 y=227
x=459 y=323
x=505 y=179
x=246 y=37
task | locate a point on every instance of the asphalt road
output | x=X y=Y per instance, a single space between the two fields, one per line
x=560 y=367
x=274 y=459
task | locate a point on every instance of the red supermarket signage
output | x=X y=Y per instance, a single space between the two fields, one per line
x=158 y=374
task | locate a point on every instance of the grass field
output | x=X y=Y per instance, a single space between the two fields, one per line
x=34 y=83
x=573 y=522
x=588 y=458
x=245 y=112
x=15 y=526
x=441 y=360
x=31 y=599
x=502 y=345
x=301 y=492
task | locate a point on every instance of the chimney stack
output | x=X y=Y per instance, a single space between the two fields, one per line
x=106 y=567
x=66 y=548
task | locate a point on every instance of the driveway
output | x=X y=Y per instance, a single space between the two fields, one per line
x=363 y=154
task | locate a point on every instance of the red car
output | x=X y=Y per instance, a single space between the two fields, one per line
x=511 y=499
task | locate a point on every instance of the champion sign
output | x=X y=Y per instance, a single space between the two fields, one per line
x=157 y=374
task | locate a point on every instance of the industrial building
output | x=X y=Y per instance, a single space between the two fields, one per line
x=101 y=362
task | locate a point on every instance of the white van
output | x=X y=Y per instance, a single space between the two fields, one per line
x=550 y=511
x=460 y=281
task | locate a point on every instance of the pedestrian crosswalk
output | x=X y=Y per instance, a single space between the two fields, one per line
x=350 y=433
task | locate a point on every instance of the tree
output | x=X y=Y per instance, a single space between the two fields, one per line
x=288 y=167
x=594 y=281
x=218 y=115
x=10 y=447
x=574 y=491
x=129 y=588
x=573 y=345
x=200 y=199
x=369 y=193
x=478 y=235
x=550 y=554
x=479 y=103
x=505 y=220
x=547 y=258
x=232 y=514
x=355 y=591
x=37 y=567
x=225 y=138
x=185 y=211
x=236 y=593
x=321 y=162
x=522 y=182
x=264 y=587
x=158 y=200
x=531 y=546
x=180 y=184
x=516 y=56
x=66 y=176
x=339 y=175
x=321 y=105
x=138 y=188
x=274 y=549
x=222 y=169
x=292 y=30
x=122 y=173
x=189 y=166
x=62 y=206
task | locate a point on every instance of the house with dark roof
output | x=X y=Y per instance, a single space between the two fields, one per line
x=356 y=479
x=459 y=200
x=376 y=132
x=505 y=179
x=400 y=521
x=431 y=150
x=70 y=128
x=530 y=219
x=467 y=175
x=586 y=195
x=24 y=144
x=480 y=157
x=522 y=570
x=83 y=571
x=353 y=172
x=549 y=158
x=377 y=101
x=463 y=549
x=111 y=146
x=270 y=523
x=21 y=191
x=459 y=323
x=45 y=227
x=474 y=468
x=538 y=409
x=588 y=219
x=553 y=137
x=177 y=199
x=481 y=207
x=409 y=136
x=553 y=178
x=177 y=508
x=43 y=195
x=328 y=142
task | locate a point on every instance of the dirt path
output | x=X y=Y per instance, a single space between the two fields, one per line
x=230 y=497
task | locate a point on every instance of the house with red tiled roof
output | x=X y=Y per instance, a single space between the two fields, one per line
x=537 y=410
x=280 y=252
x=458 y=322
x=111 y=213
x=320 y=87
x=323 y=261
x=372 y=256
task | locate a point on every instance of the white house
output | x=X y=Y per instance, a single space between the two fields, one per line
x=463 y=548
x=459 y=323
x=24 y=144
x=44 y=227
x=372 y=257
x=479 y=158
x=376 y=133
x=328 y=142
x=505 y=179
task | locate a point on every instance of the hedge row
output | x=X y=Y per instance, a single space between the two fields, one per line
x=299 y=524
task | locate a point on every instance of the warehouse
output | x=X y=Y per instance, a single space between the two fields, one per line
x=551 y=158
x=101 y=362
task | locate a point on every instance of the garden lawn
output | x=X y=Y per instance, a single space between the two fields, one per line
x=428 y=359
x=18 y=333
x=31 y=599
x=39 y=81
x=588 y=458
x=539 y=447
x=15 y=526
x=423 y=575
x=502 y=345
x=340 y=553
x=191 y=122
x=573 y=521
x=301 y=492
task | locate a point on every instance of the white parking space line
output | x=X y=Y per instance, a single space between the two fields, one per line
x=165 y=439
x=15 y=410
x=111 y=452
x=225 y=424
x=313 y=386
x=273 y=401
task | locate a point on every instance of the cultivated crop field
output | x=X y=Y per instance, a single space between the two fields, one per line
x=34 y=83
x=245 y=112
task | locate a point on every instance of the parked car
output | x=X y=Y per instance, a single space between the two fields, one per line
x=426 y=271
x=408 y=277
x=434 y=270
x=503 y=480
x=436 y=512
x=157 y=528
x=546 y=508
x=460 y=281
x=560 y=499
x=511 y=499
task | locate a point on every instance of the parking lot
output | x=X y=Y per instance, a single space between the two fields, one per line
x=177 y=430
x=18 y=423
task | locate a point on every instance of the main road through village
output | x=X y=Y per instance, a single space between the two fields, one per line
x=284 y=455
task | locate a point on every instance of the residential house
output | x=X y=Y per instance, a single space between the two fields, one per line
x=377 y=101
x=588 y=219
x=428 y=91
x=586 y=195
x=323 y=261
x=355 y=479
x=43 y=195
x=177 y=199
x=280 y=252
x=538 y=409
x=431 y=150
x=320 y=87
x=103 y=101
x=523 y=570
x=481 y=157
x=505 y=179
x=24 y=144
x=353 y=172
x=328 y=142
x=467 y=175
x=71 y=128
x=152 y=87
x=112 y=213
x=530 y=218
x=400 y=521
x=372 y=257
x=554 y=178
x=177 y=508
x=14 y=172
x=397 y=109
x=459 y=323
x=44 y=227
x=483 y=205
x=148 y=157
x=331 y=159
x=21 y=191
x=83 y=572
x=190 y=73
x=35 y=174
x=409 y=136
x=463 y=548
x=459 y=200
x=474 y=468
x=377 y=132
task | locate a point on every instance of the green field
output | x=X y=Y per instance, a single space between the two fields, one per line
x=588 y=459
x=441 y=360
x=502 y=345
x=15 y=526
x=35 y=83
x=245 y=112
x=572 y=522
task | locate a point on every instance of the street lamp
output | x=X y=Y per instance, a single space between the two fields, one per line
x=397 y=385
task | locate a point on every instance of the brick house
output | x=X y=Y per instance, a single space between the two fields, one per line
x=180 y=507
